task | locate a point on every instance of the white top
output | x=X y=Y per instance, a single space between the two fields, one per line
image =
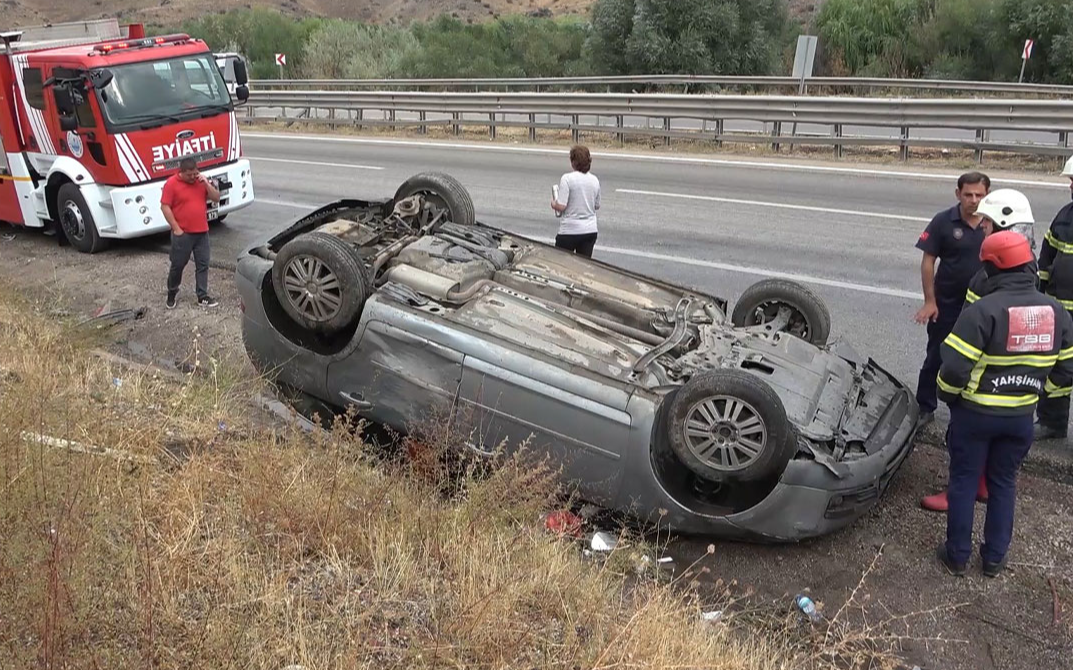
x=580 y=192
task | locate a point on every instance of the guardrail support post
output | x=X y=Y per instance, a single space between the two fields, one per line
x=423 y=116
x=331 y=118
x=532 y=127
x=456 y=127
x=904 y=153
x=492 y=125
x=667 y=129
x=776 y=131
x=980 y=138
x=620 y=136
x=360 y=116
x=719 y=126
x=575 y=133
x=391 y=117
x=836 y=132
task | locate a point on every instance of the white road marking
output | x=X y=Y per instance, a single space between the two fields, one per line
x=779 y=205
x=289 y=203
x=898 y=174
x=351 y=166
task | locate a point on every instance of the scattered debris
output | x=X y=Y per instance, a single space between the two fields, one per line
x=712 y=617
x=564 y=522
x=604 y=541
x=115 y=316
x=1056 y=611
x=805 y=604
x=8 y=237
x=59 y=443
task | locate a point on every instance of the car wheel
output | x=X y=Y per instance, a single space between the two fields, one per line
x=442 y=191
x=321 y=282
x=785 y=306
x=729 y=426
x=77 y=221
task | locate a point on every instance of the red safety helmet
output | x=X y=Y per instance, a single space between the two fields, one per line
x=1006 y=249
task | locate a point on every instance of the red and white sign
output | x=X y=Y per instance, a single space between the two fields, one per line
x=281 y=59
x=1027 y=52
x=1031 y=329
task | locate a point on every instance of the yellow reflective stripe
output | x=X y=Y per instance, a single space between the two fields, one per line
x=1029 y=361
x=947 y=387
x=964 y=348
x=971 y=297
x=1064 y=247
x=977 y=374
x=1061 y=393
x=1044 y=274
x=1068 y=304
x=1065 y=354
x=1002 y=400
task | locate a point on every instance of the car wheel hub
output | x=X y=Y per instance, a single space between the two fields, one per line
x=73 y=222
x=770 y=312
x=726 y=433
x=313 y=288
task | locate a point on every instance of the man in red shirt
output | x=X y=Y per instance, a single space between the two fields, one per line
x=185 y=206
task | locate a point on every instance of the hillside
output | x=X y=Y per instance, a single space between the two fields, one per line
x=167 y=12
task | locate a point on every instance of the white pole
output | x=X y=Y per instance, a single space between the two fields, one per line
x=1021 y=77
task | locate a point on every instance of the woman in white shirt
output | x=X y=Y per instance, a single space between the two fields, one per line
x=577 y=202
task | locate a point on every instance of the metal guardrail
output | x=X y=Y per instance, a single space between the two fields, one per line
x=870 y=83
x=587 y=112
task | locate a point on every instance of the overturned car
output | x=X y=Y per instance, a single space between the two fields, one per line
x=655 y=399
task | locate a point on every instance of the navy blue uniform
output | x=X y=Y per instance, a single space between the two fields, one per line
x=957 y=246
x=1056 y=275
x=1007 y=349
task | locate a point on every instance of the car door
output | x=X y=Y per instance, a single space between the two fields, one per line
x=397 y=376
x=507 y=400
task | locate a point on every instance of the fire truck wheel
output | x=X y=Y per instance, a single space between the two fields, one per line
x=77 y=221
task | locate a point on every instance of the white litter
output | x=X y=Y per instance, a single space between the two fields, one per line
x=712 y=617
x=604 y=541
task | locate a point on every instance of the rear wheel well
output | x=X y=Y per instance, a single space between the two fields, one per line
x=52 y=189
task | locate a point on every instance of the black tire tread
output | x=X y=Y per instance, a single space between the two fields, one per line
x=93 y=242
x=458 y=199
x=748 y=387
x=798 y=295
x=347 y=265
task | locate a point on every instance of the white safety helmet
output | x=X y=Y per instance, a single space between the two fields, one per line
x=1067 y=171
x=1009 y=209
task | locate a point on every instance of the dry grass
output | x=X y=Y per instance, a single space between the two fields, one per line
x=174 y=530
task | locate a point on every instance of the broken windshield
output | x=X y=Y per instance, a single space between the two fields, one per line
x=162 y=90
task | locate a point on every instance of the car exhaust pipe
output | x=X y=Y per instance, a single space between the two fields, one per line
x=426 y=283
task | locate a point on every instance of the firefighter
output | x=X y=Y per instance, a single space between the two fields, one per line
x=953 y=239
x=1002 y=209
x=1005 y=350
x=1056 y=279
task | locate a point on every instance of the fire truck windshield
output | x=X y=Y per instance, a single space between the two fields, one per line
x=160 y=92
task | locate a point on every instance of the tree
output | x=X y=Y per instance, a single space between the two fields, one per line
x=687 y=36
x=346 y=50
x=877 y=38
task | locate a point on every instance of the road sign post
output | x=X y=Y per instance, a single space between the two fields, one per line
x=1026 y=53
x=281 y=60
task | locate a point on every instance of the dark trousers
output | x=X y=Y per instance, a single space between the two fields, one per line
x=995 y=446
x=181 y=249
x=938 y=330
x=579 y=244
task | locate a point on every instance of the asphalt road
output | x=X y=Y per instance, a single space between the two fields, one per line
x=714 y=224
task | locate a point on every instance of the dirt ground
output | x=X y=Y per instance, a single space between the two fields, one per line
x=940 y=621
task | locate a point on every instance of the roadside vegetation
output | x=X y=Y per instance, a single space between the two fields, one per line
x=155 y=519
x=953 y=39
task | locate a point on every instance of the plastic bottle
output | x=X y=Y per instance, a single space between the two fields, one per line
x=805 y=604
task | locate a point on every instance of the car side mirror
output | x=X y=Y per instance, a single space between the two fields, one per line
x=242 y=93
x=68 y=123
x=241 y=76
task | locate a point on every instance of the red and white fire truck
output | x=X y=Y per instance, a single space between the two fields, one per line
x=94 y=117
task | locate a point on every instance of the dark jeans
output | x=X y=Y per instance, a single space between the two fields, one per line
x=995 y=446
x=579 y=244
x=927 y=387
x=181 y=248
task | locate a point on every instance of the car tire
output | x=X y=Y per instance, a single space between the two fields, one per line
x=810 y=319
x=76 y=220
x=443 y=190
x=321 y=282
x=729 y=426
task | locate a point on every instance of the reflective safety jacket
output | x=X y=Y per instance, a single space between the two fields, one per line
x=1056 y=258
x=1007 y=349
x=980 y=284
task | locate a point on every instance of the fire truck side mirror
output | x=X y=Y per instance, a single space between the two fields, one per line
x=65 y=100
x=101 y=78
x=242 y=93
x=241 y=76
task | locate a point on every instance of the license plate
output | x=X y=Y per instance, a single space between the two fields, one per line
x=214 y=214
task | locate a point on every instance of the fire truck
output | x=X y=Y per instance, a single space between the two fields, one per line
x=95 y=116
